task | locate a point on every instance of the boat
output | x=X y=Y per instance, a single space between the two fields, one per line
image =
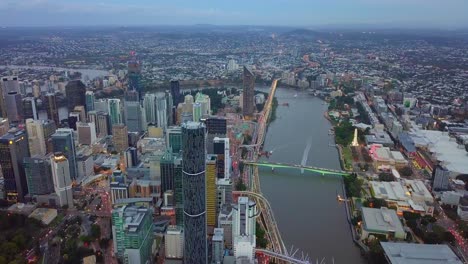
x=295 y=95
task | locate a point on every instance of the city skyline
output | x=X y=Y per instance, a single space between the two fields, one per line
x=317 y=13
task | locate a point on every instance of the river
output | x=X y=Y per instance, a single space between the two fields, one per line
x=307 y=212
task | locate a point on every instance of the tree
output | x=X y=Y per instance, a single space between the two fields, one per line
x=95 y=231
x=406 y=171
x=386 y=177
x=240 y=186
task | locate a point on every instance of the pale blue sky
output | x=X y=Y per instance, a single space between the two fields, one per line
x=412 y=13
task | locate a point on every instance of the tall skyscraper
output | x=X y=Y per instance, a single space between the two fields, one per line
x=211 y=193
x=89 y=101
x=86 y=133
x=51 y=108
x=161 y=110
x=13 y=149
x=205 y=103
x=120 y=137
x=36 y=139
x=4 y=126
x=134 y=76
x=174 y=139
x=101 y=105
x=62 y=179
x=132 y=114
x=221 y=149
x=9 y=84
x=216 y=127
x=75 y=92
x=197 y=112
x=14 y=107
x=178 y=191
x=167 y=171
x=103 y=125
x=174 y=242
x=170 y=109
x=38 y=175
x=149 y=103
x=243 y=229
x=193 y=166
x=30 y=108
x=64 y=142
x=132 y=232
x=115 y=111
x=175 y=92
x=248 y=92
x=218 y=246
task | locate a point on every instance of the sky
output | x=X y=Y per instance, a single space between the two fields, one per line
x=402 y=13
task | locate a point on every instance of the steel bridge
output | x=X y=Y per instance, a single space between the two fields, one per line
x=274 y=165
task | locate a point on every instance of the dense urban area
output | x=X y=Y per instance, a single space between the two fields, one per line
x=145 y=144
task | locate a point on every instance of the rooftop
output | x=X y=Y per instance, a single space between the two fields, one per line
x=381 y=220
x=409 y=253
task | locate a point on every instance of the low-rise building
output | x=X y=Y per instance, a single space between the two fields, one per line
x=45 y=215
x=381 y=221
x=383 y=156
x=398 y=253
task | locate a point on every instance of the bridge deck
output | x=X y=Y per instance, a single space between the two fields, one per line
x=323 y=171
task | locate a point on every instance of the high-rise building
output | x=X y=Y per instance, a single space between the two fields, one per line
x=134 y=76
x=174 y=242
x=86 y=133
x=175 y=92
x=221 y=149
x=49 y=127
x=170 y=109
x=62 y=179
x=4 y=126
x=178 y=191
x=216 y=127
x=89 y=101
x=38 y=175
x=243 y=229
x=101 y=105
x=30 y=108
x=440 y=180
x=225 y=222
x=120 y=137
x=197 y=112
x=161 y=110
x=10 y=84
x=224 y=193
x=167 y=172
x=174 y=139
x=132 y=112
x=14 y=107
x=115 y=111
x=36 y=138
x=193 y=166
x=51 y=108
x=211 y=193
x=75 y=92
x=205 y=102
x=103 y=125
x=131 y=157
x=149 y=103
x=13 y=149
x=64 y=142
x=248 y=92
x=217 y=255
x=73 y=119
x=132 y=232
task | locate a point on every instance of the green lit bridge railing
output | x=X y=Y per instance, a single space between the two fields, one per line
x=318 y=170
